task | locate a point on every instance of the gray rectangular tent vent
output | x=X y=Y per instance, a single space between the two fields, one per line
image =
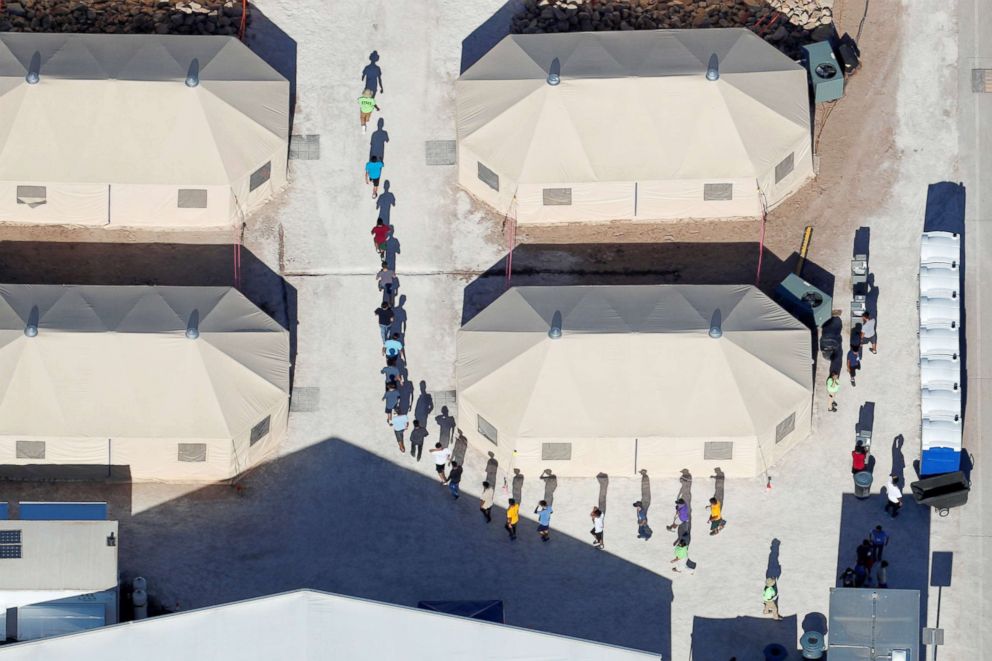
x=718 y=450
x=304 y=147
x=487 y=430
x=556 y=451
x=784 y=428
x=981 y=81
x=784 y=169
x=557 y=197
x=259 y=431
x=33 y=196
x=488 y=177
x=192 y=198
x=260 y=176
x=440 y=152
x=30 y=449
x=717 y=192
x=192 y=452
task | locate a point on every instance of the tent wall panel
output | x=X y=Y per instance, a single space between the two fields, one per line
x=153 y=459
x=67 y=204
x=58 y=451
x=158 y=206
x=684 y=198
x=599 y=201
x=613 y=456
x=665 y=456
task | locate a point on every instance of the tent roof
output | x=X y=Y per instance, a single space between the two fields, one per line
x=632 y=106
x=635 y=361
x=115 y=109
x=116 y=362
x=305 y=625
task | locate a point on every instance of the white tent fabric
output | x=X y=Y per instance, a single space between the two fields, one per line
x=307 y=625
x=635 y=381
x=111 y=135
x=634 y=130
x=112 y=378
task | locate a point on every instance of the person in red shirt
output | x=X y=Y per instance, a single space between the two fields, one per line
x=859 y=459
x=380 y=235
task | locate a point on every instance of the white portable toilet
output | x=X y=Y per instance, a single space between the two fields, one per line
x=940 y=403
x=941 y=432
x=939 y=311
x=940 y=247
x=940 y=372
x=939 y=281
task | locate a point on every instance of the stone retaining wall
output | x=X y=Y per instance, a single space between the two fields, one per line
x=122 y=16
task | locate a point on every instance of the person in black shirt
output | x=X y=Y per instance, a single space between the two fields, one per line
x=385 y=316
x=454 y=478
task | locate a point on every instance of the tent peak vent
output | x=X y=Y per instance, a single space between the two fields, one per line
x=31 y=328
x=193 y=75
x=193 y=325
x=713 y=68
x=555 y=331
x=554 y=73
x=716 y=324
x=34 y=69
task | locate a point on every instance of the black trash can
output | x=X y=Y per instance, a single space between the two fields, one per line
x=862 y=484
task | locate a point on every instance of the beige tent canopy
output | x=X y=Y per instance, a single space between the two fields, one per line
x=635 y=379
x=633 y=129
x=110 y=133
x=179 y=383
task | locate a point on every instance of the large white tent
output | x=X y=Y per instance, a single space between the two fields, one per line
x=635 y=380
x=633 y=129
x=178 y=383
x=307 y=625
x=110 y=133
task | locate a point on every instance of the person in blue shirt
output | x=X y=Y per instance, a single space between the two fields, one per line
x=543 y=512
x=394 y=348
x=373 y=171
x=879 y=539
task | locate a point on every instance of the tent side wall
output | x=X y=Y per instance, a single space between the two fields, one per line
x=53 y=203
x=500 y=197
x=246 y=454
x=597 y=201
x=697 y=198
x=802 y=171
x=261 y=185
x=172 y=207
x=773 y=449
x=468 y=425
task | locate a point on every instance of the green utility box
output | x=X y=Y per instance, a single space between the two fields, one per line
x=808 y=304
x=825 y=73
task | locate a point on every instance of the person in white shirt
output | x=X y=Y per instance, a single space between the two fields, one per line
x=441 y=456
x=868 y=333
x=893 y=496
x=597 y=528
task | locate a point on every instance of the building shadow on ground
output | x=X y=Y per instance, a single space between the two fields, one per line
x=278 y=49
x=161 y=264
x=741 y=638
x=336 y=517
x=483 y=38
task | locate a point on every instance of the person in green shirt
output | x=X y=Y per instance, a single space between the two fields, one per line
x=366 y=104
x=770 y=596
x=681 y=558
x=833 y=386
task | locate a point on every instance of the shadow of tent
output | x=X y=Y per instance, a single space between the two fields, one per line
x=908 y=551
x=177 y=264
x=483 y=38
x=625 y=264
x=335 y=517
x=278 y=49
x=742 y=637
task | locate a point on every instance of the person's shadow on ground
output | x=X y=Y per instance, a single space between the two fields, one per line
x=399 y=316
x=378 y=140
x=385 y=202
x=372 y=74
x=446 y=425
x=425 y=404
x=774 y=569
x=392 y=250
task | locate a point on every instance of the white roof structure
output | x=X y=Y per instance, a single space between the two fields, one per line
x=110 y=133
x=57 y=559
x=634 y=129
x=307 y=625
x=179 y=383
x=635 y=380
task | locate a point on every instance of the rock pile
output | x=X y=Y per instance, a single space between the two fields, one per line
x=122 y=16
x=786 y=24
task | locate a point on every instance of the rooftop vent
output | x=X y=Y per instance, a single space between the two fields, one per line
x=554 y=73
x=193 y=75
x=193 y=325
x=713 y=68
x=555 y=331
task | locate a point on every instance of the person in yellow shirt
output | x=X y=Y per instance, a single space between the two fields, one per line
x=716 y=521
x=512 y=519
x=366 y=104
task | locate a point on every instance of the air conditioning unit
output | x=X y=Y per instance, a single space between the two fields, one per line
x=825 y=73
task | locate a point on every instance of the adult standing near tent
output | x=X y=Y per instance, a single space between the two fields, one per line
x=373 y=172
x=512 y=519
x=833 y=387
x=770 y=597
x=486 y=501
x=543 y=512
x=893 y=496
x=868 y=332
x=598 y=526
x=366 y=104
x=400 y=423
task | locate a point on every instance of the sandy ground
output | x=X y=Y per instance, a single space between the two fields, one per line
x=340 y=509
